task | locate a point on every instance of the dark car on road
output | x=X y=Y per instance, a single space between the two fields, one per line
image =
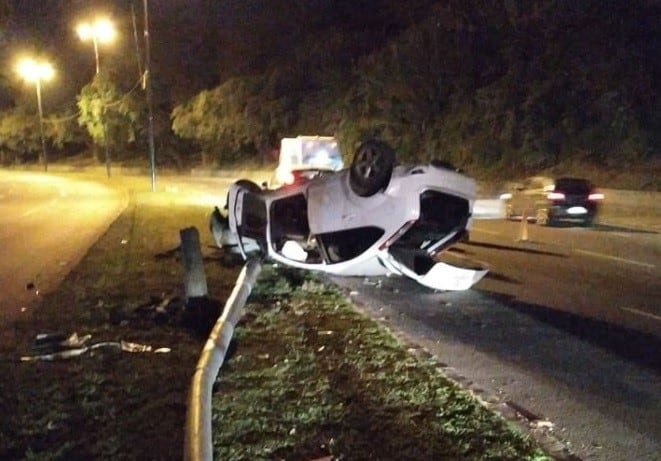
x=549 y=201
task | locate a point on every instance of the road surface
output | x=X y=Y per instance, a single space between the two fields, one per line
x=47 y=224
x=564 y=328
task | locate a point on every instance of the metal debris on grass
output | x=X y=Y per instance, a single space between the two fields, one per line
x=58 y=346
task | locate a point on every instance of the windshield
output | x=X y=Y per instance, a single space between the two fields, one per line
x=322 y=152
x=573 y=185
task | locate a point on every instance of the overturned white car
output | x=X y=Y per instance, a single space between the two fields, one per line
x=374 y=218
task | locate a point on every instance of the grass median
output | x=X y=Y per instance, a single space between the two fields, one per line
x=309 y=377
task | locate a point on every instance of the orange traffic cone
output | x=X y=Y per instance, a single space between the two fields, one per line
x=523 y=231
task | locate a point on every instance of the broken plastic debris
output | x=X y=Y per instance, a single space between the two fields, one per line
x=56 y=342
x=134 y=347
x=58 y=346
x=543 y=424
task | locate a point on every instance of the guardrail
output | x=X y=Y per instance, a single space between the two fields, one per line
x=198 y=444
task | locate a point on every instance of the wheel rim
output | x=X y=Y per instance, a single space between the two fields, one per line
x=368 y=163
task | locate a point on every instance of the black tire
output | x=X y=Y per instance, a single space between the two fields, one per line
x=249 y=185
x=371 y=167
x=246 y=184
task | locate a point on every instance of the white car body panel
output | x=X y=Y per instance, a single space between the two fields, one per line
x=333 y=207
x=441 y=276
x=327 y=213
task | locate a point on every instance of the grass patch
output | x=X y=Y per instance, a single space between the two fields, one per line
x=112 y=405
x=311 y=377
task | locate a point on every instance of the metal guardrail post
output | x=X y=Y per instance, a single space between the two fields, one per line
x=198 y=440
x=195 y=281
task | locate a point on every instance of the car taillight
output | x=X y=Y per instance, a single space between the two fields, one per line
x=596 y=196
x=394 y=237
x=555 y=196
x=289 y=178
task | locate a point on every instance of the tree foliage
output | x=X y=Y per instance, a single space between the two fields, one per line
x=487 y=84
x=509 y=84
x=108 y=116
x=243 y=115
x=19 y=136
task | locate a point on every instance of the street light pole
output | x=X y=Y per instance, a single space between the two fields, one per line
x=148 y=89
x=35 y=71
x=103 y=30
x=96 y=52
x=44 y=153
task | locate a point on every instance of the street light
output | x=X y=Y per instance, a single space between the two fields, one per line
x=34 y=72
x=99 y=31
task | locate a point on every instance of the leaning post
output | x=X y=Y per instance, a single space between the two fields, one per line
x=195 y=280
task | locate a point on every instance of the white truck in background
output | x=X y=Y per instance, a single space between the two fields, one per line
x=306 y=153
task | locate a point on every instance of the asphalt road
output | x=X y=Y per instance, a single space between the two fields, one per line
x=565 y=328
x=606 y=272
x=47 y=224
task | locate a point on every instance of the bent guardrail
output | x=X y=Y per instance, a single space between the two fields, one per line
x=198 y=441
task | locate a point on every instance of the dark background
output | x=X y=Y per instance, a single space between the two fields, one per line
x=492 y=84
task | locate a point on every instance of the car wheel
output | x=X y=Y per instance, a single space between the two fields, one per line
x=246 y=184
x=249 y=185
x=542 y=217
x=371 y=167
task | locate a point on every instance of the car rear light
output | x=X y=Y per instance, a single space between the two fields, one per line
x=596 y=196
x=394 y=237
x=555 y=196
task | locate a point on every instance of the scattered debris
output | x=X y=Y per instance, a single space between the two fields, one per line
x=59 y=346
x=543 y=424
x=161 y=309
x=172 y=253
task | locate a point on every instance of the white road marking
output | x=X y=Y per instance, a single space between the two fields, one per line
x=643 y=313
x=615 y=258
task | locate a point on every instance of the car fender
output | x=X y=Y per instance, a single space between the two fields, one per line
x=441 y=276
